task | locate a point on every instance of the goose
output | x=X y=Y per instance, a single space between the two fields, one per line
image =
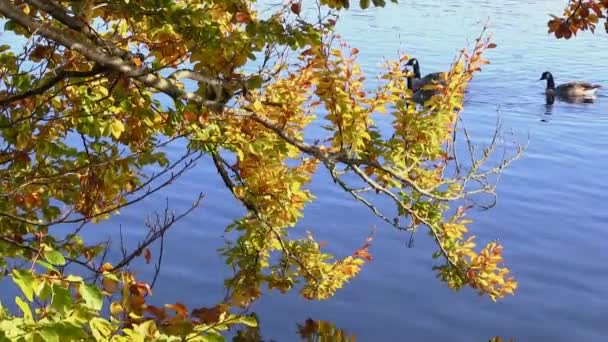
x=422 y=95
x=417 y=81
x=571 y=89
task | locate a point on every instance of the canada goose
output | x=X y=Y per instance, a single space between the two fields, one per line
x=571 y=89
x=422 y=95
x=417 y=81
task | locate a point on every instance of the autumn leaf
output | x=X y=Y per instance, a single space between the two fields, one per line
x=159 y=313
x=147 y=255
x=106 y=267
x=179 y=308
x=363 y=253
x=109 y=285
x=207 y=316
x=296 y=7
x=242 y=17
x=140 y=288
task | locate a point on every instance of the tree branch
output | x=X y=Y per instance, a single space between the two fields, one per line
x=76 y=24
x=61 y=75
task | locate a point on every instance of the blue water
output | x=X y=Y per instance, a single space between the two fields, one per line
x=551 y=215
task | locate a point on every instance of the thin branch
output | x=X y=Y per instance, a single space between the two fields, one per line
x=159 y=231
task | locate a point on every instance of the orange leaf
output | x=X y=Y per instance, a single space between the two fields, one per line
x=363 y=253
x=179 y=308
x=190 y=116
x=140 y=288
x=242 y=17
x=106 y=267
x=137 y=61
x=109 y=285
x=491 y=46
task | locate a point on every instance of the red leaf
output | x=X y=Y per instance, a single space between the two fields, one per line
x=157 y=312
x=491 y=46
x=147 y=255
x=140 y=288
x=296 y=7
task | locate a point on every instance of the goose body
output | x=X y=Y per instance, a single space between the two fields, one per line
x=415 y=82
x=422 y=95
x=568 y=90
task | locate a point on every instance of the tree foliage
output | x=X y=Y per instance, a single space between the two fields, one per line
x=98 y=89
x=579 y=15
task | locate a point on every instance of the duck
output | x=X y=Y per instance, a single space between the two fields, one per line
x=568 y=90
x=416 y=81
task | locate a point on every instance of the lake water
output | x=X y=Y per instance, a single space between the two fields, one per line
x=551 y=215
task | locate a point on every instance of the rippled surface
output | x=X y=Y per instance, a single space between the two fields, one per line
x=551 y=214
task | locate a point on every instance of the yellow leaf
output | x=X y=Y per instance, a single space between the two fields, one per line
x=381 y=110
x=117 y=127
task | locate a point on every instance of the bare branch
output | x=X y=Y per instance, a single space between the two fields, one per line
x=157 y=231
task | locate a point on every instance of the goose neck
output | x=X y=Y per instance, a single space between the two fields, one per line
x=550 y=82
x=417 y=70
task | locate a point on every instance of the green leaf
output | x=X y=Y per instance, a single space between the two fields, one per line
x=44 y=290
x=27 y=313
x=364 y=4
x=101 y=329
x=69 y=330
x=213 y=337
x=247 y=320
x=10 y=25
x=55 y=258
x=92 y=296
x=255 y=82
x=102 y=91
x=147 y=328
x=26 y=281
x=49 y=334
x=61 y=299
x=45 y=265
x=73 y=279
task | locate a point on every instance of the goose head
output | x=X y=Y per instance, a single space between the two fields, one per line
x=414 y=63
x=550 y=83
x=546 y=76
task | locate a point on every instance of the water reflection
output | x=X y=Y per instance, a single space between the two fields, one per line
x=550 y=101
x=315 y=331
x=309 y=331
